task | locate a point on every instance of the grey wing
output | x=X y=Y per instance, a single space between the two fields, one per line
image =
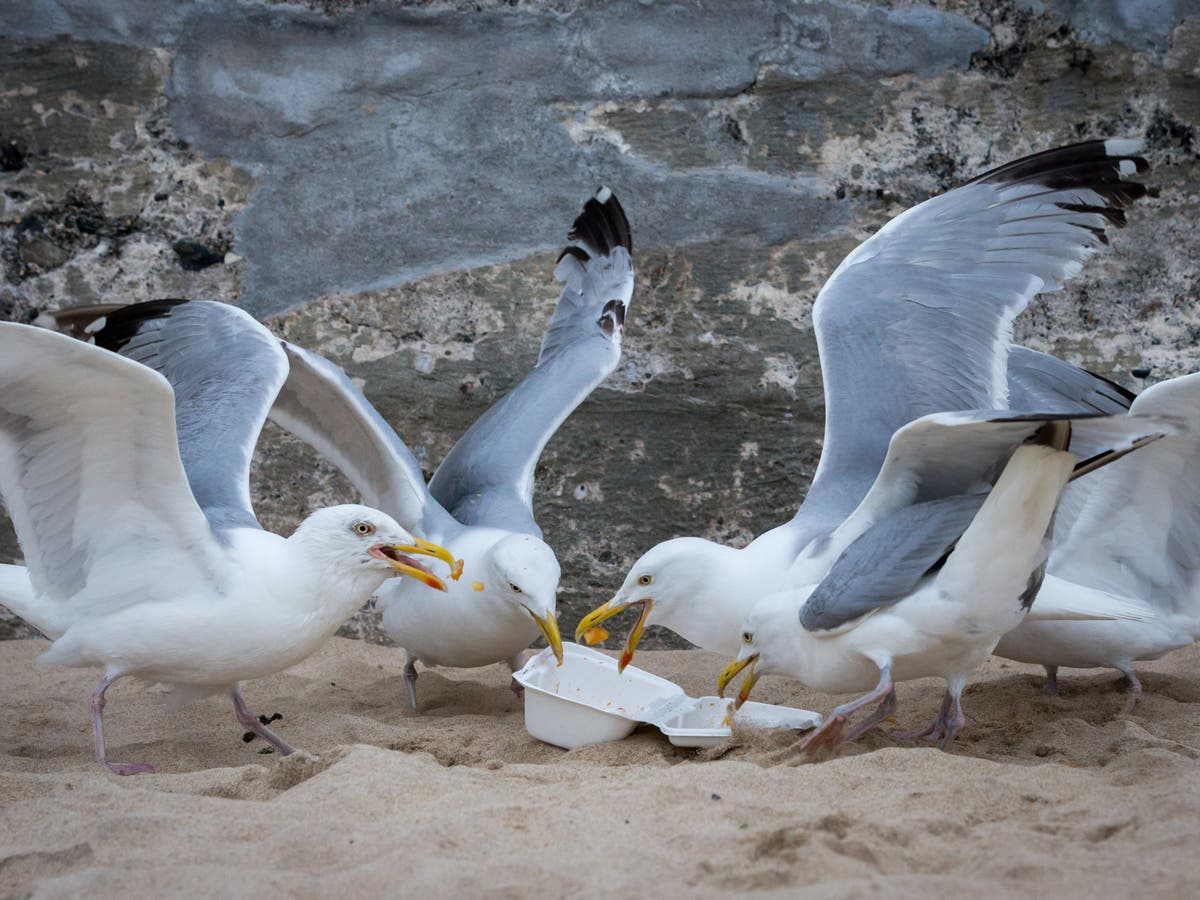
x=948 y=454
x=1137 y=530
x=885 y=563
x=320 y=405
x=918 y=318
x=225 y=369
x=90 y=473
x=1040 y=382
x=487 y=478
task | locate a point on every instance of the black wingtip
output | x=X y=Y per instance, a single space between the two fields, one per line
x=602 y=225
x=1125 y=394
x=121 y=326
x=1099 y=166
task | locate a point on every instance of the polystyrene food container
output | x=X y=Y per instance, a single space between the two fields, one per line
x=587 y=701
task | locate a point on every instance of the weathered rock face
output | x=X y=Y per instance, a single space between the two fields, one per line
x=387 y=184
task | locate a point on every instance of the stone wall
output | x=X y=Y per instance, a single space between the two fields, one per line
x=388 y=183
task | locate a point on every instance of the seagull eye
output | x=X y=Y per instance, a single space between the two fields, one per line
x=645 y=579
x=516 y=590
x=747 y=637
x=364 y=528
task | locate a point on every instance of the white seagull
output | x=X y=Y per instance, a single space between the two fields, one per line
x=1126 y=537
x=935 y=564
x=916 y=320
x=479 y=502
x=143 y=553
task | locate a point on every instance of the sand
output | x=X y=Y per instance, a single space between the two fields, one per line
x=1040 y=795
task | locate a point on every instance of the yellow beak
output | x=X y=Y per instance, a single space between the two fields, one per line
x=400 y=558
x=427 y=578
x=421 y=547
x=549 y=627
x=730 y=672
x=607 y=611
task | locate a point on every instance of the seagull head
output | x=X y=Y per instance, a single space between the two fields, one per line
x=359 y=538
x=662 y=584
x=522 y=569
x=768 y=642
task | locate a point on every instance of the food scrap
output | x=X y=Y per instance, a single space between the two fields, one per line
x=595 y=635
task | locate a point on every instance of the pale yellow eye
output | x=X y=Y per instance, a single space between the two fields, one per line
x=747 y=637
x=645 y=579
x=364 y=528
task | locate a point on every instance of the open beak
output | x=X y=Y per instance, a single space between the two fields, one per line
x=607 y=611
x=549 y=627
x=730 y=672
x=395 y=555
x=420 y=547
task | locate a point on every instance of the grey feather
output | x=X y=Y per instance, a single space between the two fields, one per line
x=887 y=561
x=320 y=405
x=487 y=477
x=225 y=369
x=918 y=318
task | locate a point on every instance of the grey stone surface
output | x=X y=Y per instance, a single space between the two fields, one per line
x=388 y=183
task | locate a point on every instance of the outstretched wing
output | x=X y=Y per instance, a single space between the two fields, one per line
x=938 y=472
x=951 y=454
x=91 y=474
x=1137 y=531
x=225 y=369
x=320 y=405
x=487 y=478
x=887 y=561
x=918 y=318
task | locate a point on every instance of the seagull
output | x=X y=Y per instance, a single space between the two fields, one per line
x=939 y=560
x=1129 y=535
x=479 y=503
x=131 y=503
x=916 y=320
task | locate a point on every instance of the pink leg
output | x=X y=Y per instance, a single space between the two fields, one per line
x=247 y=719
x=955 y=721
x=832 y=733
x=1135 y=689
x=96 y=704
x=885 y=709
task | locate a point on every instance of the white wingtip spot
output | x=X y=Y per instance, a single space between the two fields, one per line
x=1122 y=146
x=1128 y=167
x=93 y=327
x=603 y=194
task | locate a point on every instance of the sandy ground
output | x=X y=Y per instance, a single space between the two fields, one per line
x=1039 y=795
